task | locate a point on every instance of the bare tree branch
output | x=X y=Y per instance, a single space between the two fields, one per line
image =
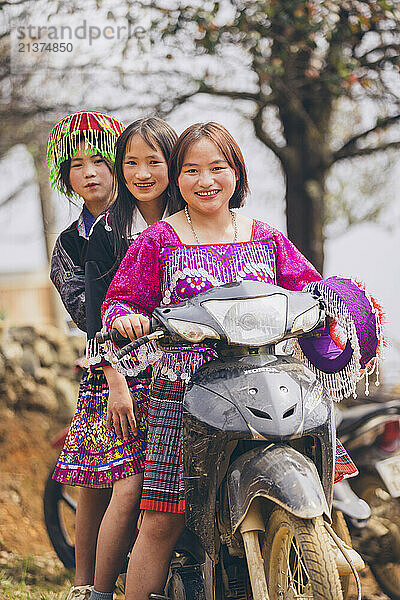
x=368 y=151
x=257 y=97
x=350 y=149
x=16 y=3
x=265 y=138
x=15 y=193
x=382 y=48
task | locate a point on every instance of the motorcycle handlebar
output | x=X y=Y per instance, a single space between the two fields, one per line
x=113 y=335
x=125 y=344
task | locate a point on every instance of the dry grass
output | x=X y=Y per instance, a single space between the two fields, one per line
x=32 y=578
x=35 y=578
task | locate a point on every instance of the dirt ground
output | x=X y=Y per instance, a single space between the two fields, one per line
x=26 y=556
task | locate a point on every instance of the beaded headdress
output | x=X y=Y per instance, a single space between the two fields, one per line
x=99 y=132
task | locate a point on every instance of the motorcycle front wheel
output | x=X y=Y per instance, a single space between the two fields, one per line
x=385 y=509
x=59 y=507
x=299 y=562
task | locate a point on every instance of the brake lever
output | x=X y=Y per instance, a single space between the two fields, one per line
x=159 y=333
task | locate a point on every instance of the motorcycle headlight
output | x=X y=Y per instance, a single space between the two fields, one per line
x=307 y=320
x=251 y=322
x=192 y=332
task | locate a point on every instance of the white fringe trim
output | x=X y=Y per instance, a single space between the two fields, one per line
x=177 y=364
x=136 y=361
x=343 y=383
x=95 y=353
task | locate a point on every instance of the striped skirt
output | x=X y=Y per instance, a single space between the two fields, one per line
x=92 y=455
x=163 y=485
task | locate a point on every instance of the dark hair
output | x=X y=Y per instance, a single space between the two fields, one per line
x=154 y=131
x=217 y=134
x=63 y=176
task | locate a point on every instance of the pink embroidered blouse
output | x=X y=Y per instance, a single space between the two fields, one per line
x=159 y=269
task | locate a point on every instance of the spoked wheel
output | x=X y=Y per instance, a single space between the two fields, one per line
x=385 y=509
x=298 y=559
x=59 y=504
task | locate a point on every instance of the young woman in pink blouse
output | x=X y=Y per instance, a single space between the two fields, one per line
x=207 y=244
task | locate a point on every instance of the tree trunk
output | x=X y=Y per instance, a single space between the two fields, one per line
x=46 y=203
x=304 y=216
x=49 y=227
x=305 y=174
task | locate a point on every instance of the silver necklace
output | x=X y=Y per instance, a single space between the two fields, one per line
x=234 y=225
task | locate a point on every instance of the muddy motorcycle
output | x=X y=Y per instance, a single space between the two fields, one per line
x=371 y=433
x=259 y=449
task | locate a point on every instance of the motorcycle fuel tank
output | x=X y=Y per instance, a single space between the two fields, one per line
x=258 y=396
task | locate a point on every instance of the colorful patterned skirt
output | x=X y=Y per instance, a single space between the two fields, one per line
x=163 y=485
x=93 y=456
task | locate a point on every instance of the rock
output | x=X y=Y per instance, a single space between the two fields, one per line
x=66 y=354
x=10 y=395
x=15 y=372
x=12 y=351
x=37 y=370
x=29 y=362
x=28 y=385
x=52 y=335
x=5 y=414
x=45 y=353
x=43 y=400
x=78 y=343
x=46 y=376
x=23 y=335
x=67 y=393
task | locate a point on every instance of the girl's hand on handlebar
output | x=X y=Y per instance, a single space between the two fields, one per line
x=132 y=326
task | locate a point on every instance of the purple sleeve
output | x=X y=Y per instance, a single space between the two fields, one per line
x=136 y=285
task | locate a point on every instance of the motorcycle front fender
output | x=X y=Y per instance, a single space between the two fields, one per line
x=280 y=474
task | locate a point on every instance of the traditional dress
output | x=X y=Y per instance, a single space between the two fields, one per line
x=92 y=454
x=82 y=266
x=160 y=270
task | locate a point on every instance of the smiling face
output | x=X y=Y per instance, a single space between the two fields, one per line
x=90 y=177
x=206 y=181
x=145 y=170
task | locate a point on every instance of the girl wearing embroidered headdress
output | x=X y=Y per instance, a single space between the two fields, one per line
x=80 y=156
x=106 y=441
x=204 y=245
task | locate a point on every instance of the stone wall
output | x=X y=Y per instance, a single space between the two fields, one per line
x=37 y=370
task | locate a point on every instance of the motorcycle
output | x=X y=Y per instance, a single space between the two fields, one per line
x=259 y=449
x=371 y=433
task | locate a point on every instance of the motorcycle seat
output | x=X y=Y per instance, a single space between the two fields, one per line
x=349 y=419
